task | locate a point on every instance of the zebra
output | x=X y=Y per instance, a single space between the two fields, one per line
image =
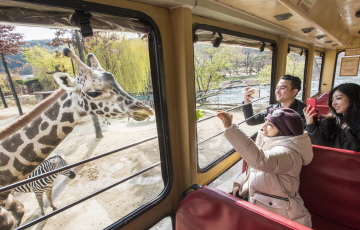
x=150 y=104
x=45 y=184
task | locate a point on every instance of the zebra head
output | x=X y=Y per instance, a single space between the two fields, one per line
x=58 y=162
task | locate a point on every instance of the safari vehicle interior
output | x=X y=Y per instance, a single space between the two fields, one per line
x=316 y=31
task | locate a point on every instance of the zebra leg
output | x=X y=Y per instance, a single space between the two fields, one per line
x=49 y=196
x=39 y=198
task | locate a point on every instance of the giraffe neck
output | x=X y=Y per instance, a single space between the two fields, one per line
x=24 y=150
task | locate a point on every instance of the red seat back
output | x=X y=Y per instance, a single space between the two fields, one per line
x=330 y=186
x=211 y=209
x=322 y=104
x=323 y=99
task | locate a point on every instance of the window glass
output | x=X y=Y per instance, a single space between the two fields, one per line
x=316 y=74
x=222 y=71
x=225 y=181
x=343 y=79
x=164 y=224
x=122 y=52
x=295 y=65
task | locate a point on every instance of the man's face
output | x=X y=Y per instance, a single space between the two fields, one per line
x=283 y=91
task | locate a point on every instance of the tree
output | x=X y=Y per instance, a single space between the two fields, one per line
x=209 y=63
x=3 y=86
x=10 y=44
x=265 y=74
x=295 y=65
x=45 y=62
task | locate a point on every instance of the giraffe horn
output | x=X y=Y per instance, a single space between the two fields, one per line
x=95 y=64
x=68 y=53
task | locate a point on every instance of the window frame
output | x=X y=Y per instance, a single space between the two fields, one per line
x=303 y=87
x=158 y=82
x=216 y=29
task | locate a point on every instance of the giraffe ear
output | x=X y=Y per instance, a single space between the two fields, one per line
x=65 y=81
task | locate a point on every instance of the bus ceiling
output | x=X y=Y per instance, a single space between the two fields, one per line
x=323 y=23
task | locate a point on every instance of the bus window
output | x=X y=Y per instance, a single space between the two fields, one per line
x=317 y=72
x=224 y=182
x=225 y=64
x=164 y=224
x=295 y=65
x=119 y=163
x=343 y=79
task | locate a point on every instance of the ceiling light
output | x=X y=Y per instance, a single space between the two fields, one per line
x=328 y=41
x=307 y=30
x=281 y=17
x=334 y=44
x=357 y=14
x=320 y=37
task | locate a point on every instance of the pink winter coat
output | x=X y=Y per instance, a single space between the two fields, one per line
x=274 y=165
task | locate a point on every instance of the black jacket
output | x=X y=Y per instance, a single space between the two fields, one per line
x=343 y=139
x=298 y=106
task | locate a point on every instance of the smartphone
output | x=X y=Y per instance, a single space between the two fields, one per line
x=312 y=103
x=256 y=93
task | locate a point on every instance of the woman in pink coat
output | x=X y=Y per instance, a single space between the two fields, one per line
x=274 y=162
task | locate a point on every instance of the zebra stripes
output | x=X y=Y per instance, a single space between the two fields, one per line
x=45 y=184
x=149 y=103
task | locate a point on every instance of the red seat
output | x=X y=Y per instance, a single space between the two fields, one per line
x=208 y=208
x=323 y=99
x=330 y=188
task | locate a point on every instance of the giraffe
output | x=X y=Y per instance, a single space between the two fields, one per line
x=93 y=92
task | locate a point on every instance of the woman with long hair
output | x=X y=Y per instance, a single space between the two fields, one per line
x=341 y=127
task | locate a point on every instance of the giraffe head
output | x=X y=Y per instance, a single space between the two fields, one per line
x=98 y=92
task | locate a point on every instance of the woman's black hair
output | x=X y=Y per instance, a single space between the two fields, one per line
x=349 y=121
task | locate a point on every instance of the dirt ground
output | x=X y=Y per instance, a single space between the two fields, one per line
x=102 y=210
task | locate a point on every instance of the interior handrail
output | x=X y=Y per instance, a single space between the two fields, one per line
x=224 y=130
x=236 y=107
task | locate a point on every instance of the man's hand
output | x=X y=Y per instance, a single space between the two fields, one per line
x=225 y=117
x=247 y=92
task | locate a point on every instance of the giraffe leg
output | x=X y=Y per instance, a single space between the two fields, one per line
x=11 y=213
x=49 y=196
x=39 y=198
x=7 y=221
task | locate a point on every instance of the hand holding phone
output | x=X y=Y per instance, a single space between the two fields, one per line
x=312 y=103
x=256 y=93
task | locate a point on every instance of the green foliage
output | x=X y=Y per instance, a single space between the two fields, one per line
x=264 y=75
x=295 y=65
x=209 y=63
x=199 y=114
x=46 y=62
x=3 y=82
x=126 y=58
x=31 y=81
x=19 y=81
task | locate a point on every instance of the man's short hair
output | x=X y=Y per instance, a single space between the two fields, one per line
x=295 y=81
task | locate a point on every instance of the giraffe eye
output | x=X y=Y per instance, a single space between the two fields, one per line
x=93 y=93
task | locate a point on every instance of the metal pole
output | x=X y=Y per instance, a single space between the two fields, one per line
x=12 y=87
x=95 y=119
x=3 y=98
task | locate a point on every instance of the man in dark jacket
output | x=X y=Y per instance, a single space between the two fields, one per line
x=286 y=91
